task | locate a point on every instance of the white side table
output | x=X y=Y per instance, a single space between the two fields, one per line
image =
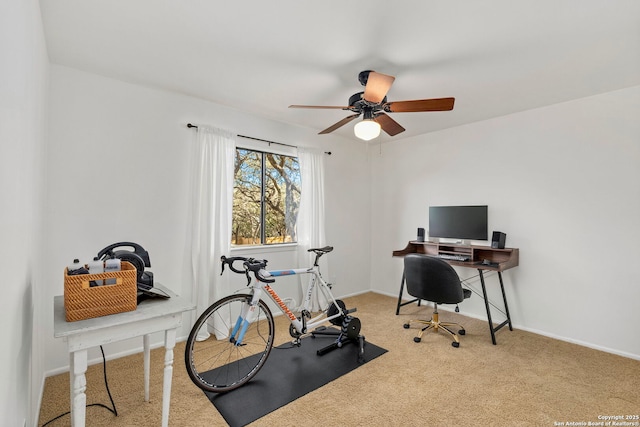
x=153 y=315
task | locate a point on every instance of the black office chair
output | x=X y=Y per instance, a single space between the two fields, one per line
x=432 y=279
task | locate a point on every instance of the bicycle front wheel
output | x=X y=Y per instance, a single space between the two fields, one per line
x=214 y=361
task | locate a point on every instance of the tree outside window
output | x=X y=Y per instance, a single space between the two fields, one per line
x=266 y=198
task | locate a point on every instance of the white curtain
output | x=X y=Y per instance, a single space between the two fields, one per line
x=211 y=203
x=311 y=215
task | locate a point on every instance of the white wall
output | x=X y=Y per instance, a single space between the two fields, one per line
x=563 y=182
x=119 y=169
x=24 y=71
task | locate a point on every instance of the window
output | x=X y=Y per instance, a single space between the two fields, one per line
x=266 y=197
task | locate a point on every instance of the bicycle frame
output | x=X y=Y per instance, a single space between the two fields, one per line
x=301 y=325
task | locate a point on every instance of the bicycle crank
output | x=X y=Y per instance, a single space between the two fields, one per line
x=295 y=334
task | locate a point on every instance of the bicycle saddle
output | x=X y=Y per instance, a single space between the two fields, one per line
x=324 y=250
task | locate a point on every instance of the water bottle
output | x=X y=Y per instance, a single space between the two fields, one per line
x=76 y=268
x=112 y=264
x=96 y=267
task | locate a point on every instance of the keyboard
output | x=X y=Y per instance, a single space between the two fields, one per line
x=451 y=257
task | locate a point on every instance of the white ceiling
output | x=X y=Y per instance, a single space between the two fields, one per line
x=495 y=57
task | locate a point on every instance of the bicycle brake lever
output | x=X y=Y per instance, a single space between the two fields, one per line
x=222 y=260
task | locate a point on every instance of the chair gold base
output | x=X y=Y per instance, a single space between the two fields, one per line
x=435 y=324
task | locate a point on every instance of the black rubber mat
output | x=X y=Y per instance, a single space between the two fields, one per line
x=289 y=373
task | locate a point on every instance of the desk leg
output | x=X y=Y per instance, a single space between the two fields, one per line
x=400 y=303
x=78 y=386
x=400 y=296
x=169 y=344
x=147 y=362
x=486 y=304
x=504 y=298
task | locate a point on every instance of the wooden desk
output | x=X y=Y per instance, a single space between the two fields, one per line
x=153 y=315
x=503 y=259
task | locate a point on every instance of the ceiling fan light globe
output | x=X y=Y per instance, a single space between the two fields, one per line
x=367 y=130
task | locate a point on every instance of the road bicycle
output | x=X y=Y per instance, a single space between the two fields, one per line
x=232 y=339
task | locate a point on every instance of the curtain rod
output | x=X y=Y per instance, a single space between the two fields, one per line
x=189 y=125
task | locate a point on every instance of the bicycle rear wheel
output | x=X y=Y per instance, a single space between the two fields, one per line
x=216 y=364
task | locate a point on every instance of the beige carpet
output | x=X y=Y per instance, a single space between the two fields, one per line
x=526 y=380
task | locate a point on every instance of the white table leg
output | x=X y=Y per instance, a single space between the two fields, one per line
x=78 y=386
x=147 y=359
x=169 y=344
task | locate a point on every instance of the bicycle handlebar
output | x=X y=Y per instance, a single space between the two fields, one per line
x=257 y=266
x=250 y=265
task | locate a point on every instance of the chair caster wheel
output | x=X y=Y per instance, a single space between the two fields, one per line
x=455 y=344
x=406 y=326
x=462 y=332
x=416 y=339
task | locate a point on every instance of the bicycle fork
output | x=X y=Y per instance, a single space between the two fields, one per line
x=246 y=316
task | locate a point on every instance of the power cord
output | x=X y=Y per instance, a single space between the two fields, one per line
x=113 y=409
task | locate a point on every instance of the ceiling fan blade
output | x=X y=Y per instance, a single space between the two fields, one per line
x=388 y=125
x=435 y=104
x=377 y=87
x=339 y=124
x=335 y=107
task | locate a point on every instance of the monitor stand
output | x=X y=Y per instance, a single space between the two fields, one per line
x=459 y=242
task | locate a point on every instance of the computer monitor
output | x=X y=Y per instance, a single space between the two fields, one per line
x=458 y=222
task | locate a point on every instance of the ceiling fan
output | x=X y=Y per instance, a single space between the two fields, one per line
x=373 y=105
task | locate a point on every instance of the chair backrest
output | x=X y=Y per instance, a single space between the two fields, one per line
x=432 y=279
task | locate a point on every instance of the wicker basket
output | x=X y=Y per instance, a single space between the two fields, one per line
x=84 y=302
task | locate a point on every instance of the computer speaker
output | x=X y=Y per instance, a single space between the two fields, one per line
x=498 y=239
x=420 y=234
